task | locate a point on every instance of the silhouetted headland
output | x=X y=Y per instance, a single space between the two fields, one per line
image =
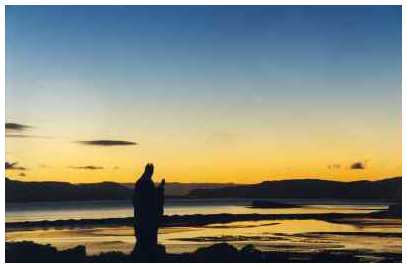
x=271 y=204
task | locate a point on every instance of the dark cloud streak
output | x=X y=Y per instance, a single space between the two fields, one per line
x=16 y=126
x=108 y=143
x=87 y=167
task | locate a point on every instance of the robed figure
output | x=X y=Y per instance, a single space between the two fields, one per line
x=148 y=202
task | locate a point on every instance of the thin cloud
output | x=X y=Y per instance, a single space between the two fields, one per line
x=334 y=166
x=25 y=136
x=22 y=174
x=87 y=167
x=14 y=166
x=108 y=143
x=16 y=126
x=358 y=165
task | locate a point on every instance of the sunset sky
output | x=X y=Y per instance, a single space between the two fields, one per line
x=208 y=94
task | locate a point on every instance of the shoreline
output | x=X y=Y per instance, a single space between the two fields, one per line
x=192 y=220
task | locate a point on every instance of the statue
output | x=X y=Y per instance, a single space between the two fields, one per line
x=148 y=203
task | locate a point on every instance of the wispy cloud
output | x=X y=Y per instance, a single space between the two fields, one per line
x=25 y=136
x=334 y=166
x=108 y=143
x=14 y=166
x=90 y=167
x=16 y=126
x=358 y=165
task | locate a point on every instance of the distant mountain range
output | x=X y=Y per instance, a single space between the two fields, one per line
x=309 y=188
x=19 y=191
x=183 y=189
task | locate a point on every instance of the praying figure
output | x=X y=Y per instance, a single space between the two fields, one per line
x=148 y=203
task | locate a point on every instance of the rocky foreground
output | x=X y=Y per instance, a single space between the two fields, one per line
x=27 y=251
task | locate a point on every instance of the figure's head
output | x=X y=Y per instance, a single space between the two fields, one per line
x=149 y=169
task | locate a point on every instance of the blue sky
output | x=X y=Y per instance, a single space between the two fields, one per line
x=275 y=74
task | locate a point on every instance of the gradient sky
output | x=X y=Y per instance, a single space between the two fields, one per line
x=210 y=94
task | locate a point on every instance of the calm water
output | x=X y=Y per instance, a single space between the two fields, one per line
x=35 y=211
x=286 y=235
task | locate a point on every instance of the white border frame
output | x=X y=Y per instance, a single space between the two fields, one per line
x=190 y=2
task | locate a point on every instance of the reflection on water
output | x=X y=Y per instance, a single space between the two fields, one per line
x=381 y=235
x=35 y=211
x=281 y=235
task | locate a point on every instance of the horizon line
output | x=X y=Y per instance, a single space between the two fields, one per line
x=236 y=183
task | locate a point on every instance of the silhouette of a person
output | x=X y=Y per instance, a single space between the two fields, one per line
x=148 y=203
